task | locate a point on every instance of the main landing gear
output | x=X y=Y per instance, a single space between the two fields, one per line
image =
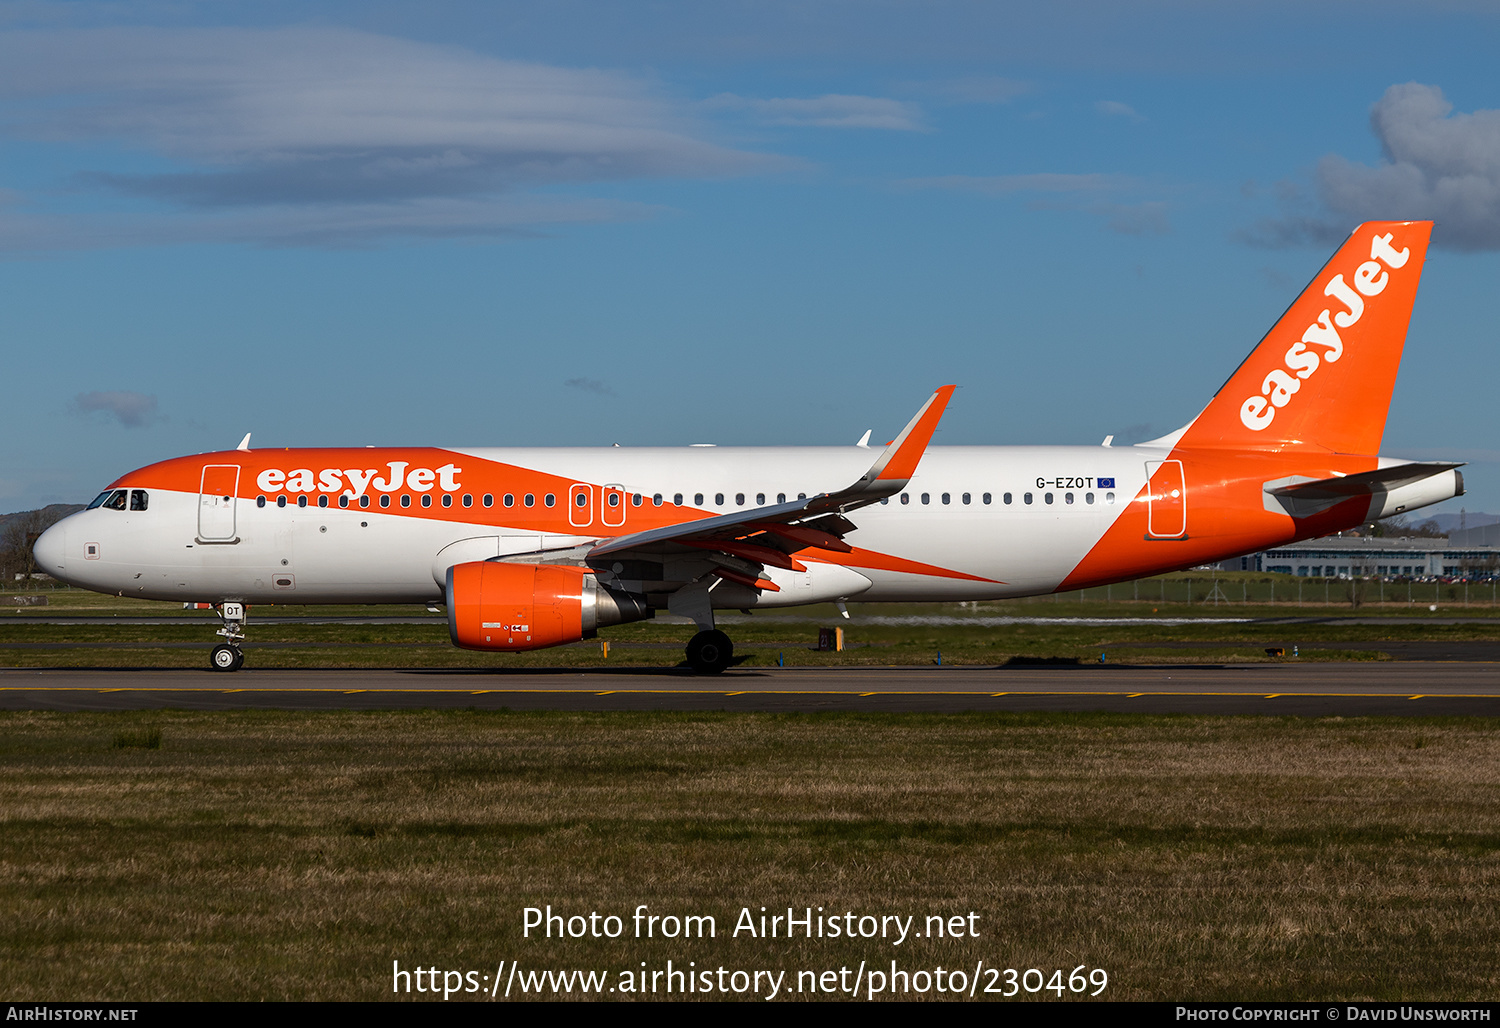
x=710 y=652
x=227 y=656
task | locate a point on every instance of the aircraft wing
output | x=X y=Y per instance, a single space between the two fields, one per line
x=815 y=521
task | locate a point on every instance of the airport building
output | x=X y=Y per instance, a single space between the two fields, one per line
x=1349 y=556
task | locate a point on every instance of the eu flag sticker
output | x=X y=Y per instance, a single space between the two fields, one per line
x=1106 y=483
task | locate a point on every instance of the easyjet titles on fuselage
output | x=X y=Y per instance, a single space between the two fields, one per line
x=392 y=479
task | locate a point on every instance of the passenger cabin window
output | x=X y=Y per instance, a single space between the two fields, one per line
x=1067 y=497
x=427 y=499
x=656 y=499
x=697 y=499
x=1109 y=497
x=967 y=498
x=1007 y=497
x=489 y=500
x=549 y=499
x=385 y=501
x=905 y=498
x=281 y=501
x=614 y=499
x=677 y=499
x=447 y=500
x=947 y=498
x=138 y=499
x=322 y=501
x=926 y=498
x=719 y=499
x=1026 y=498
x=739 y=499
x=635 y=500
x=1088 y=497
x=260 y=501
x=509 y=500
x=302 y=501
x=781 y=497
x=529 y=500
x=468 y=499
x=364 y=501
x=406 y=499
x=1047 y=497
x=760 y=499
x=343 y=499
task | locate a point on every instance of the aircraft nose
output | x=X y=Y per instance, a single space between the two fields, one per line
x=50 y=550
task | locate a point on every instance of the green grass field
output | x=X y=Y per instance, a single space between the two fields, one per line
x=773 y=637
x=265 y=855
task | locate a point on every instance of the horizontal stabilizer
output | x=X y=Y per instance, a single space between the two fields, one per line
x=1391 y=490
x=1366 y=483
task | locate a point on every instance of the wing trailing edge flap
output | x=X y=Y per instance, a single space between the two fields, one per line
x=1303 y=498
x=815 y=521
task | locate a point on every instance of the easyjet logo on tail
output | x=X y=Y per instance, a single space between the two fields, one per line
x=354 y=481
x=1280 y=385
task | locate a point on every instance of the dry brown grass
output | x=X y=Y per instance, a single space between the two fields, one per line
x=277 y=855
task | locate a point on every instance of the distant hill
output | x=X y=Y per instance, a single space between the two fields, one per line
x=52 y=514
x=1449 y=522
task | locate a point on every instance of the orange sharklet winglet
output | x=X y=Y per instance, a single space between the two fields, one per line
x=900 y=459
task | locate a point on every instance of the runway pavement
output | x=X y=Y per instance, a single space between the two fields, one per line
x=1410 y=687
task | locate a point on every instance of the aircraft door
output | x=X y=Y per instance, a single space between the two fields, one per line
x=1166 y=499
x=612 y=509
x=580 y=506
x=216 y=503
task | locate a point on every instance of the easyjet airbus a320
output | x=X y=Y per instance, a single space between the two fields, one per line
x=537 y=547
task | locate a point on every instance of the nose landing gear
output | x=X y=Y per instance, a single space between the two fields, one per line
x=227 y=656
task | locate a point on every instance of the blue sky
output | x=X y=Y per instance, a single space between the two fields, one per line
x=585 y=223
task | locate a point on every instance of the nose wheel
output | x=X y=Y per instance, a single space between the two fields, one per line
x=709 y=653
x=224 y=657
x=227 y=656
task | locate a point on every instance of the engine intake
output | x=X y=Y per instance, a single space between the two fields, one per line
x=511 y=607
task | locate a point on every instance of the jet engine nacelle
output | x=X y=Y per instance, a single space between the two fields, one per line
x=493 y=605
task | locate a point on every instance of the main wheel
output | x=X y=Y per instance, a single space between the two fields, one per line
x=709 y=653
x=225 y=658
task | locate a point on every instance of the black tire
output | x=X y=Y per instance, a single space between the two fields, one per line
x=709 y=653
x=225 y=658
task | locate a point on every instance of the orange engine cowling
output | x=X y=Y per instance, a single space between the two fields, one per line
x=498 y=606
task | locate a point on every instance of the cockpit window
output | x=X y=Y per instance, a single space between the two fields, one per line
x=99 y=500
x=138 y=499
x=116 y=500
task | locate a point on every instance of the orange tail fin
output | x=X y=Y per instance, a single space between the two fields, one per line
x=1323 y=376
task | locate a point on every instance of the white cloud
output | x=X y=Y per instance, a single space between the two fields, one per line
x=590 y=385
x=131 y=410
x=1437 y=166
x=338 y=226
x=1045 y=182
x=383 y=136
x=834 y=110
x=1116 y=109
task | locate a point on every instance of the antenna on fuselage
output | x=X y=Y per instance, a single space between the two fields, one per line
x=244 y=443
